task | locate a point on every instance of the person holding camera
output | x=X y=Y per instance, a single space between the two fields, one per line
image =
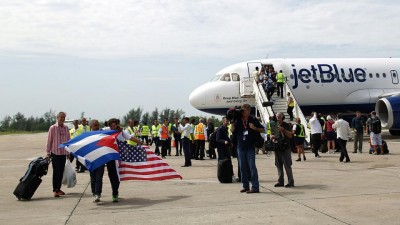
x=246 y=128
x=281 y=134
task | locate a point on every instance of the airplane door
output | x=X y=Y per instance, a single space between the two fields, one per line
x=251 y=66
x=395 y=76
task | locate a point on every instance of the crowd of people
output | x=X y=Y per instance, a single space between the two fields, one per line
x=232 y=139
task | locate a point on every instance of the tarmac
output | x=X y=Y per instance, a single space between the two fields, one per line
x=365 y=191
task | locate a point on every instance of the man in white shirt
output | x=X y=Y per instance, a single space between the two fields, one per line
x=316 y=132
x=185 y=130
x=343 y=133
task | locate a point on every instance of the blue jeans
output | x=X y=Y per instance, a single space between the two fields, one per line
x=247 y=159
x=96 y=180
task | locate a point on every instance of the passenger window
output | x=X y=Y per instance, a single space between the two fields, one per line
x=377 y=75
x=235 y=77
x=370 y=75
x=384 y=75
x=226 y=77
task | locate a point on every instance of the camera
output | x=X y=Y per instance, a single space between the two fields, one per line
x=234 y=114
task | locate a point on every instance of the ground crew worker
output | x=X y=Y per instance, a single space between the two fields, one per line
x=154 y=136
x=200 y=135
x=145 y=132
x=83 y=127
x=290 y=106
x=131 y=131
x=299 y=137
x=164 y=135
x=191 y=138
x=280 y=80
x=170 y=134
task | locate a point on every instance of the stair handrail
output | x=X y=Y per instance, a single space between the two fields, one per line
x=299 y=113
x=260 y=97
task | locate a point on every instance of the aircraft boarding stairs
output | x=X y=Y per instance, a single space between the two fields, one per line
x=264 y=107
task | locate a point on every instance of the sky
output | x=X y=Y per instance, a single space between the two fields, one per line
x=106 y=57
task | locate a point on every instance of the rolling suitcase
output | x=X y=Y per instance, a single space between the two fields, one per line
x=31 y=180
x=225 y=171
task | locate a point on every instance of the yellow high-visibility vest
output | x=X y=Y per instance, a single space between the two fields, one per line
x=155 y=129
x=280 y=78
x=301 y=131
x=145 y=130
x=131 y=132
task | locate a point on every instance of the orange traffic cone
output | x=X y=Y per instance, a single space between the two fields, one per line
x=173 y=142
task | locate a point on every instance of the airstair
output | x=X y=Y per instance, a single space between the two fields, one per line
x=267 y=108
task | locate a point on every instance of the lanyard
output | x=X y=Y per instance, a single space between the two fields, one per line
x=244 y=124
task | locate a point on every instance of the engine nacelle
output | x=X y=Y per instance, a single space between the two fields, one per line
x=388 y=110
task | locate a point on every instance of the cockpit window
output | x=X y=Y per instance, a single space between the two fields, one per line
x=235 y=77
x=215 y=78
x=226 y=77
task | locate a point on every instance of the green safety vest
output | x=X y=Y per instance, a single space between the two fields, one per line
x=191 y=132
x=145 y=130
x=155 y=129
x=131 y=132
x=301 y=131
x=280 y=78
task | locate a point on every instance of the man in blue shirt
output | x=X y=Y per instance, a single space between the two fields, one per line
x=358 y=127
x=246 y=128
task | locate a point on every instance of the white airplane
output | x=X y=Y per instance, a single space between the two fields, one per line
x=324 y=85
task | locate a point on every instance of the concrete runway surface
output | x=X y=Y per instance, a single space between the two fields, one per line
x=365 y=191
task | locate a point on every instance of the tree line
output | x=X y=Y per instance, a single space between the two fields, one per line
x=20 y=123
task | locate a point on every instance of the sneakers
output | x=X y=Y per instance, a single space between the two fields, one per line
x=115 y=198
x=96 y=199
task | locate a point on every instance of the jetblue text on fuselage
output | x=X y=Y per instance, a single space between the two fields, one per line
x=327 y=73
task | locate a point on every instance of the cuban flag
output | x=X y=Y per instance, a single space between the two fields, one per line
x=94 y=148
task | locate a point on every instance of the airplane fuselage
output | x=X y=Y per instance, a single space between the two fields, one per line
x=321 y=84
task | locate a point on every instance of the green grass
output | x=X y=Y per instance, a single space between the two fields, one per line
x=19 y=132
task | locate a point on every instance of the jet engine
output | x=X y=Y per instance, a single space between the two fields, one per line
x=388 y=110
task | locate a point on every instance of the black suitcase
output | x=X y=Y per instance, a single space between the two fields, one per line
x=26 y=189
x=31 y=180
x=225 y=171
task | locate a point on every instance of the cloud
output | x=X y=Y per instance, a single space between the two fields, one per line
x=194 y=29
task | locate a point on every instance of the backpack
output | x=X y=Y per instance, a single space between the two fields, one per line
x=212 y=140
x=376 y=125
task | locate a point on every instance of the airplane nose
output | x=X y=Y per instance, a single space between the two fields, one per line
x=198 y=98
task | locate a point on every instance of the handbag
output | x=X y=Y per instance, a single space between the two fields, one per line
x=69 y=176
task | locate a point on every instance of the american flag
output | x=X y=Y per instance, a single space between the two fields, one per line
x=139 y=163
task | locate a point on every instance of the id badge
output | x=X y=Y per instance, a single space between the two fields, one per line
x=245 y=133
